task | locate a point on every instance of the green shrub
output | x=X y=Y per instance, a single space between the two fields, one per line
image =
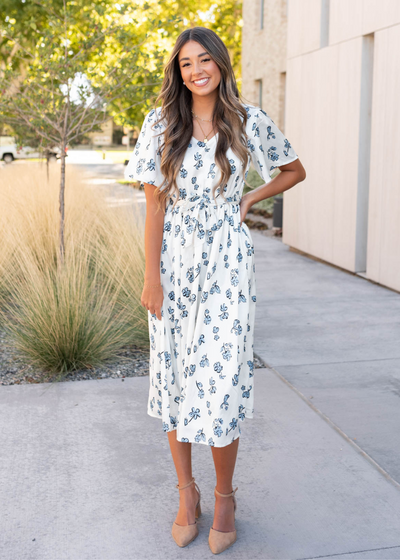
x=254 y=179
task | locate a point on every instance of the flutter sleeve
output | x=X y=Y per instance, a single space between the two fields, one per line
x=268 y=146
x=145 y=162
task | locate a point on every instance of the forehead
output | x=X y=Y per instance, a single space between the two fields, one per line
x=191 y=49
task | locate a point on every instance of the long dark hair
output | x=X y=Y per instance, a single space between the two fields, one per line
x=229 y=117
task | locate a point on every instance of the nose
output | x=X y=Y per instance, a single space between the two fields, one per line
x=196 y=68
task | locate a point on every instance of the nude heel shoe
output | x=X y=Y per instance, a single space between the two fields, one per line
x=221 y=540
x=185 y=534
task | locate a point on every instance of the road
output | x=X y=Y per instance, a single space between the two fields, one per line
x=105 y=174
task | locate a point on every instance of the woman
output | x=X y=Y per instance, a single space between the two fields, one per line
x=192 y=156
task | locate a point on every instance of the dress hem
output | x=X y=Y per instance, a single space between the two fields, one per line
x=247 y=415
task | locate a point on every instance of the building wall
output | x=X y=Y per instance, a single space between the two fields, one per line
x=265 y=59
x=103 y=137
x=383 y=255
x=342 y=116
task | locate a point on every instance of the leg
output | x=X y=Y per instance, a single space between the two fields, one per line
x=224 y=462
x=188 y=497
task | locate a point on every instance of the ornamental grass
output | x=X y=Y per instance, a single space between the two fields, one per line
x=79 y=314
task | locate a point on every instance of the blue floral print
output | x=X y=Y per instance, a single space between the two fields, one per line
x=201 y=365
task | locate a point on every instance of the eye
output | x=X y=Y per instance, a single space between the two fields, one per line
x=203 y=60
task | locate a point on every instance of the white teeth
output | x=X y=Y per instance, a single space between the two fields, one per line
x=203 y=81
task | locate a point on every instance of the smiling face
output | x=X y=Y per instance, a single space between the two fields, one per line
x=198 y=70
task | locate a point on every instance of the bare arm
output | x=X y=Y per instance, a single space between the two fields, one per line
x=152 y=297
x=153 y=235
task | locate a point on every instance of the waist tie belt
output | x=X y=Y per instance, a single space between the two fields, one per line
x=197 y=222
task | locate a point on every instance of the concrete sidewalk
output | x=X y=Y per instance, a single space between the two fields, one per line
x=87 y=474
x=336 y=338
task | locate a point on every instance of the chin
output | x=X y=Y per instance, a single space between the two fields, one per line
x=206 y=91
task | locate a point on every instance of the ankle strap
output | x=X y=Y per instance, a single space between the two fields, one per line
x=226 y=495
x=185 y=485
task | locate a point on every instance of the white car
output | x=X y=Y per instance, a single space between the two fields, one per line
x=9 y=151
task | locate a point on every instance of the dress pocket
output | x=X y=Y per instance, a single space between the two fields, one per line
x=246 y=230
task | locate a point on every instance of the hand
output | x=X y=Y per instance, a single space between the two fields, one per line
x=245 y=205
x=152 y=299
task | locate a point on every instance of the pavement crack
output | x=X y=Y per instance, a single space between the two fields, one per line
x=349 y=552
x=329 y=363
x=338 y=430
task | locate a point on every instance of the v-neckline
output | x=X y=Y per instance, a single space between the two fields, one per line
x=202 y=141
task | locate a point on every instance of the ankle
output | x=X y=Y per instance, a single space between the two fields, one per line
x=223 y=491
x=186 y=484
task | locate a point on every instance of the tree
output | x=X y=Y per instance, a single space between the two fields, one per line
x=60 y=85
x=67 y=66
x=222 y=16
x=25 y=17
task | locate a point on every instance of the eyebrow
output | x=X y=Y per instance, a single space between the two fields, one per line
x=187 y=58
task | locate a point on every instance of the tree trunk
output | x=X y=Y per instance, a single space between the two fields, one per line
x=62 y=208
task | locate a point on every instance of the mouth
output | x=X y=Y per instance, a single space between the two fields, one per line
x=202 y=82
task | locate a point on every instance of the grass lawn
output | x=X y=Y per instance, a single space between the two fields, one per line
x=117 y=156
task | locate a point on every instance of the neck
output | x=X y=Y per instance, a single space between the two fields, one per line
x=203 y=106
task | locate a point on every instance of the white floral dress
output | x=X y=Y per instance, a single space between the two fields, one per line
x=201 y=351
